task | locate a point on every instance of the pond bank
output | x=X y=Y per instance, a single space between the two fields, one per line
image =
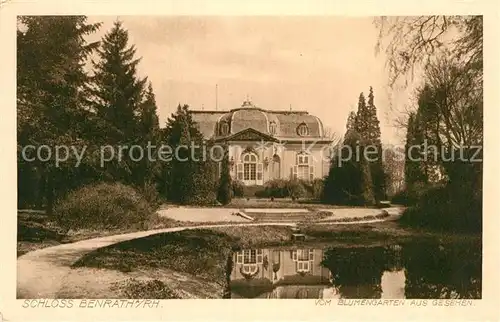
x=178 y=263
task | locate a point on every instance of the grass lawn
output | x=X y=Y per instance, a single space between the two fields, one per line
x=201 y=255
x=36 y=230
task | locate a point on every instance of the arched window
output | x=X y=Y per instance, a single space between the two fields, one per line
x=250 y=259
x=276 y=167
x=250 y=169
x=249 y=268
x=223 y=128
x=302 y=129
x=273 y=128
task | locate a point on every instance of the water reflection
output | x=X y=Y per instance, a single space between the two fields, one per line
x=413 y=270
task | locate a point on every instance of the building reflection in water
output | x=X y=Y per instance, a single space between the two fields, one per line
x=279 y=273
x=312 y=274
x=421 y=269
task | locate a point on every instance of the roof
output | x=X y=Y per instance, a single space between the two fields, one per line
x=224 y=124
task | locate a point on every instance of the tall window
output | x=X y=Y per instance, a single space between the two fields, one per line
x=250 y=169
x=249 y=258
x=303 y=169
x=272 y=128
x=249 y=166
x=223 y=128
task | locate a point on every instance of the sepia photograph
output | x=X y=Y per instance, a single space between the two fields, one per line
x=249 y=157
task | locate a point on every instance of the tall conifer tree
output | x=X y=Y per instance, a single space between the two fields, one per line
x=117 y=100
x=148 y=170
x=191 y=179
x=51 y=84
x=414 y=168
x=368 y=127
x=373 y=138
x=349 y=179
x=118 y=89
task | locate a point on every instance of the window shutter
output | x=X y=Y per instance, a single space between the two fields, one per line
x=239 y=258
x=259 y=256
x=239 y=169
x=311 y=254
x=294 y=171
x=311 y=173
x=259 y=171
x=294 y=255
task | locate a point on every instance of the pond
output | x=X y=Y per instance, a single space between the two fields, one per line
x=423 y=270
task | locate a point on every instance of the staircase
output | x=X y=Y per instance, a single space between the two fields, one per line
x=285 y=216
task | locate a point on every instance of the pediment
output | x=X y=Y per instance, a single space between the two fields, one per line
x=249 y=134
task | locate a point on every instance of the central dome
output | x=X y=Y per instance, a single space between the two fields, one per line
x=245 y=118
x=284 y=124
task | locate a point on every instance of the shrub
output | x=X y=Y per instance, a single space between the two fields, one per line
x=276 y=188
x=200 y=187
x=296 y=189
x=314 y=188
x=279 y=188
x=103 y=206
x=410 y=195
x=262 y=193
x=446 y=208
x=151 y=194
x=238 y=188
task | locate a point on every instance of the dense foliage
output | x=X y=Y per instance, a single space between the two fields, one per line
x=357 y=175
x=103 y=206
x=51 y=105
x=88 y=96
x=293 y=188
x=191 y=177
x=444 y=139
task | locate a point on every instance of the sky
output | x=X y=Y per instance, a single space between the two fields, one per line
x=316 y=64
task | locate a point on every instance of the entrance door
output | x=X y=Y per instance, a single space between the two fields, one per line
x=251 y=170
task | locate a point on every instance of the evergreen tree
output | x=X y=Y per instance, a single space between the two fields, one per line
x=368 y=127
x=190 y=178
x=117 y=88
x=148 y=170
x=349 y=179
x=414 y=171
x=118 y=98
x=373 y=139
x=351 y=121
x=224 y=193
x=51 y=84
x=373 y=124
x=361 y=125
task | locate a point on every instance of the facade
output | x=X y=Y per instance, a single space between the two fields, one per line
x=266 y=144
x=299 y=272
x=279 y=273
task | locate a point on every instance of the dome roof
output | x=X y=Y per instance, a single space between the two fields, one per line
x=280 y=124
x=242 y=119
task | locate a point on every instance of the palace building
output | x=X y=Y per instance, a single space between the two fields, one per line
x=268 y=144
